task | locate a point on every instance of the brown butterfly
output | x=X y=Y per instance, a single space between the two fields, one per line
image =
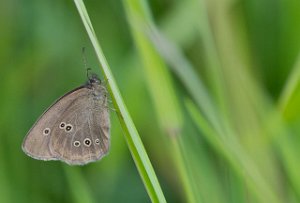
x=75 y=129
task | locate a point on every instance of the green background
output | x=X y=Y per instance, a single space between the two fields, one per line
x=256 y=45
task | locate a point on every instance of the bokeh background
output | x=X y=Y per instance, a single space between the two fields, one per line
x=241 y=56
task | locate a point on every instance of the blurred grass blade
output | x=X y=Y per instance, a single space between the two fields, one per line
x=188 y=181
x=78 y=185
x=213 y=60
x=290 y=86
x=132 y=137
x=160 y=85
x=233 y=153
x=186 y=73
x=157 y=75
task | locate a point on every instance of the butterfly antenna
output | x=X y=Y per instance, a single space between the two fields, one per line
x=85 y=63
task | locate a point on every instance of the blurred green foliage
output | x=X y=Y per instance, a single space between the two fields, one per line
x=233 y=71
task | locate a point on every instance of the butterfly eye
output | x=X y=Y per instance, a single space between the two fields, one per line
x=87 y=142
x=97 y=141
x=76 y=143
x=69 y=127
x=62 y=125
x=46 y=131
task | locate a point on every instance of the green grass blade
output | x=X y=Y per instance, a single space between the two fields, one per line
x=132 y=137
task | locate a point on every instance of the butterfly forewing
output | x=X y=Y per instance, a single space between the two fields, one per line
x=36 y=143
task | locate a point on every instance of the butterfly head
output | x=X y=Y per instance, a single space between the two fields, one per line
x=98 y=89
x=94 y=79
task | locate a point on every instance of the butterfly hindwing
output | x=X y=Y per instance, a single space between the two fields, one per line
x=100 y=115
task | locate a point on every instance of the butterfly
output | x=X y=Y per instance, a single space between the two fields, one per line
x=75 y=129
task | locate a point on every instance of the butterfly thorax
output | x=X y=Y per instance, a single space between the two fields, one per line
x=98 y=90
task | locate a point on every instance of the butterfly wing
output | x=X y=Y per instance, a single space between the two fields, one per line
x=36 y=143
x=85 y=137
